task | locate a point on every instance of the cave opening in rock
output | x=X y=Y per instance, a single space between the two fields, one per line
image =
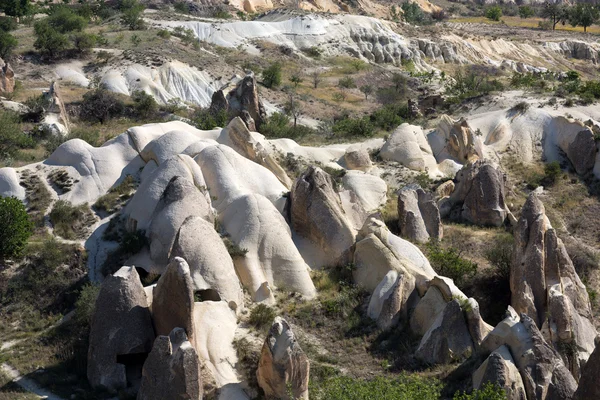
x=207 y=295
x=133 y=363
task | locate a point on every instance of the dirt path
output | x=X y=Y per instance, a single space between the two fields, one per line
x=27 y=384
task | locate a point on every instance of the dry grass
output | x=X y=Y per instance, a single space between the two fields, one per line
x=524 y=23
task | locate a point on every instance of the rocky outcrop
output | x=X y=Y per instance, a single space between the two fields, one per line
x=243 y=97
x=459 y=138
x=56 y=118
x=478 y=196
x=317 y=214
x=418 y=215
x=499 y=368
x=546 y=287
x=426 y=311
x=544 y=374
x=589 y=384
x=358 y=159
x=173 y=300
x=172 y=370
x=7 y=78
x=408 y=146
x=390 y=300
x=447 y=339
x=582 y=152
x=237 y=136
x=211 y=267
x=283 y=364
x=121 y=332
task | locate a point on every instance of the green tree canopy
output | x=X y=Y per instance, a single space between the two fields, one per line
x=15 y=227
x=584 y=15
x=15 y=8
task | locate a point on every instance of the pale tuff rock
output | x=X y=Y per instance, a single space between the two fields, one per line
x=271 y=260
x=408 y=146
x=546 y=287
x=460 y=141
x=237 y=136
x=389 y=303
x=479 y=195
x=378 y=252
x=582 y=152
x=7 y=78
x=180 y=200
x=418 y=215
x=171 y=144
x=445 y=189
x=56 y=118
x=172 y=370
x=317 y=213
x=211 y=267
x=358 y=159
x=544 y=374
x=282 y=363
x=121 y=331
x=142 y=205
x=499 y=368
x=142 y=135
x=369 y=190
x=173 y=301
x=589 y=384
x=426 y=311
x=9 y=184
x=242 y=98
x=447 y=339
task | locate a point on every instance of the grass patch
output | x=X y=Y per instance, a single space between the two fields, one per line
x=449 y=262
x=37 y=195
x=71 y=222
x=117 y=196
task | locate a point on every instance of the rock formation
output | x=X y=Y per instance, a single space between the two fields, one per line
x=459 y=138
x=121 y=332
x=426 y=311
x=172 y=370
x=418 y=215
x=282 y=364
x=499 y=368
x=546 y=287
x=478 y=196
x=243 y=97
x=317 y=214
x=358 y=159
x=390 y=300
x=589 y=384
x=7 y=78
x=544 y=374
x=408 y=146
x=582 y=151
x=173 y=300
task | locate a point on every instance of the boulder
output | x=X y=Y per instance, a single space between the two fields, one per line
x=271 y=258
x=7 y=78
x=445 y=189
x=237 y=136
x=479 y=194
x=316 y=212
x=173 y=300
x=426 y=311
x=582 y=152
x=447 y=339
x=283 y=364
x=180 y=200
x=243 y=97
x=121 y=332
x=358 y=159
x=390 y=301
x=589 y=384
x=418 y=215
x=499 y=368
x=408 y=146
x=546 y=287
x=460 y=139
x=369 y=190
x=172 y=370
x=211 y=268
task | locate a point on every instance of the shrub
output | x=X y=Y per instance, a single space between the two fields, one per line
x=163 y=33
x=390 y=116
x=64 y=20
x=448 y=262
x=12 y=137
x=471 y=82
x=15 y=8
x=352 y=127
x=278 y=126
x=116 y=196
x=7 y=44
x=99 y=105
x=70 y=222
x=500 y=255
x=206 y=119
x=526 y=12
x=15 y=227
x=413 y=14
x=131 y=15
x=381 y=388
x=346 y=83
x=551 y=173
x=271 y=75
x=144 y=104
x=233 y=249
x=89 y=135
x=8 y=24
x=489 y=391
x=86 y=304
x=313 y=51
x=494 y=13
x=84 y=42
x=49 y=41
x=134 y=242
x=261 y=316
x=520 y=107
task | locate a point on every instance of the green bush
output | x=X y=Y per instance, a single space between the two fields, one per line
x=12 y=137
x=133 y=242
x=494 y=13
x=404 y=387
x=15 y=227
x=472 y=82
x=15 y=8
x=489 y=391
x=100 y=105
x=70 y=222
x=144 y=104
x=89 y=135
x=413 y=14
x=526 y=12
x=8 y=24
x=64 y=20
x=262 y=316
x=551 y=173
x=7 y=44
x=353 y=127
x=49 y=41
x=131 y=15
x=117 y=195
x=83 y=42
x=86 y=304
x=271 y=76
x=500 y=255
x=448 y=262
x=278 y=125
x=206 y=119
x=163 y=33
x=390 y=116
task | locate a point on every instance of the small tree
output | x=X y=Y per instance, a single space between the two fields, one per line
x=494 y=13
x=99 y=105
x=346 y=83
x=294 y=109
x=366 y=90
x=316 y=78
x=526 y=12
x=15 y=8
x=84 y=42
x=132 y=14
x=296 y=78
x=49 y=41
x=583 y=15
x=272 y=75
x=15 y=227
x=554 y=12
x=7 y=44
x=145 y=106
x=399 y=82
